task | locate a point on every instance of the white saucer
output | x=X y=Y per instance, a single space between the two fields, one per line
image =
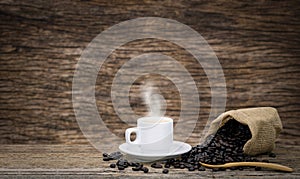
x=176 y=149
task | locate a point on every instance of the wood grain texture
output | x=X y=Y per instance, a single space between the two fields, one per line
x=78 y=161
x=257 y=44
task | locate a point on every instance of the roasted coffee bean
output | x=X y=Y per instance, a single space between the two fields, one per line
x=167 y=165
x=131 y=164
x=122 y=162
x=121 y=167
x=140 y=166
x=136 y=168
x=188 y=165
x=228 y=159
x=135 y=164
x=266 y=161
x=272 y=155
x=145 y=169
x=228 y=150
x=182 y=166
x=112 y=165
x=171 y=160
x=105 y=155
x=191 y=169
x=176 y=165
x=165 y=171
x=106 y=159
x=156 y=165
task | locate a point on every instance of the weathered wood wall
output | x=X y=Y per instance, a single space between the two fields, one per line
x=257 y=44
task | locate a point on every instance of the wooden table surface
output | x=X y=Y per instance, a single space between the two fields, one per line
x=78 y=161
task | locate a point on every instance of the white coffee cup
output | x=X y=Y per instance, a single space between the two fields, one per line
x=153 y=134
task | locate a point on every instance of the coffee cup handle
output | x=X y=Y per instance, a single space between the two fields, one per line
x=128 y=133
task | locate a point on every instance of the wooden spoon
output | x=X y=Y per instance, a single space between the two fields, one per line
x=252 y=164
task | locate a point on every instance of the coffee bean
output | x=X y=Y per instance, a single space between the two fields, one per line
x=182 y=166
x=188 y=165
x=228 y=149
x=171 y=160
x=191 y=169
x=122 y=162
x=112 y=165
x=176 y=165
x=167 y=165
x=105 y=155
x=121 y=167
x=131 y=164
x=165 y=171
x=106 y=159
x=228 y=159
x=135 y=164
x=136 y=168
x=145 y=169
x=266 y=161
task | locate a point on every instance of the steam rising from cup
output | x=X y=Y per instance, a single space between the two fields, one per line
x=155 y=102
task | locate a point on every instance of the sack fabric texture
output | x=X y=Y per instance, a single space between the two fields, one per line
x=263 y=122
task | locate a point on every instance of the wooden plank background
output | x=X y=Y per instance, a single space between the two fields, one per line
x=257 y=44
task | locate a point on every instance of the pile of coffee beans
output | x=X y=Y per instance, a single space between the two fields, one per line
x=121 y=164
x=223 y=147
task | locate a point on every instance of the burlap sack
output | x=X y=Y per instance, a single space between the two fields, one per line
x=264 y=124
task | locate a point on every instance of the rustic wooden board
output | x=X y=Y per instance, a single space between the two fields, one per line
x=77 y=161
x=257 y=44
